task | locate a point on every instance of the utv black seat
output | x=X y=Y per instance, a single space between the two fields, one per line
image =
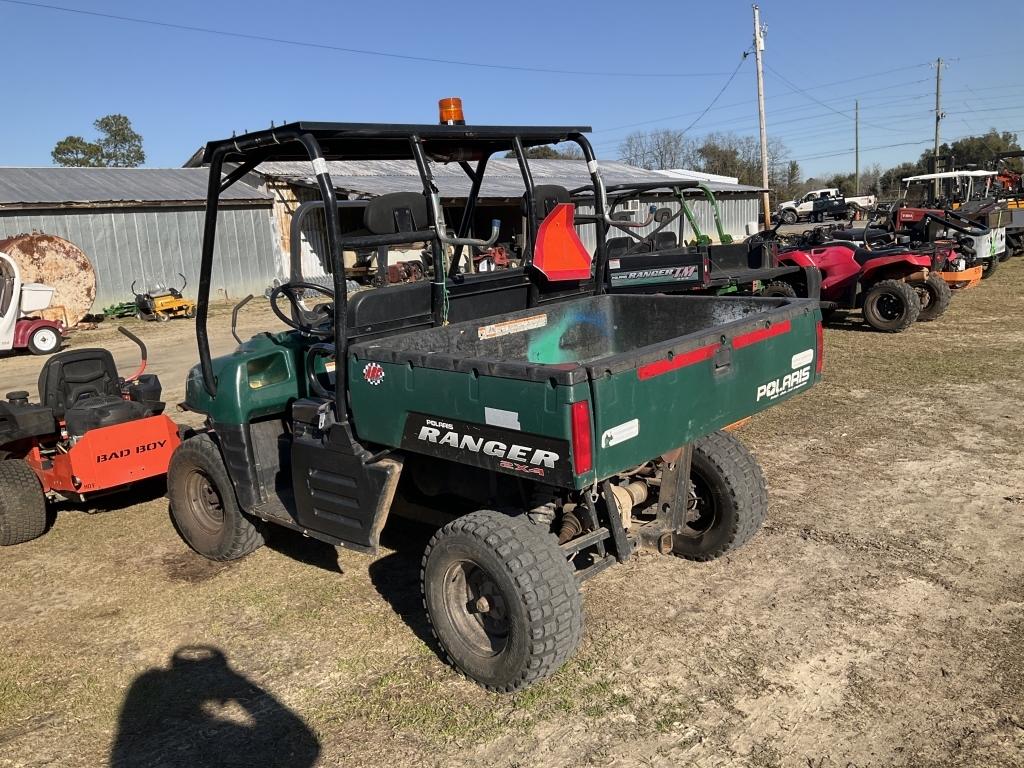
x=545 y=198
x=665 y=241
x=82 y=387
x=396 y=212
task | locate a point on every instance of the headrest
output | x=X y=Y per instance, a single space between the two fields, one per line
x=545 y=198
x=396 y=212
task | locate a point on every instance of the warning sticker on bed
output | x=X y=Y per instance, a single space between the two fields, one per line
x=509 y=327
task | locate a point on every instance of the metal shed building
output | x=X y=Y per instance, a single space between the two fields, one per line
x=291 y=183
x=144 y=224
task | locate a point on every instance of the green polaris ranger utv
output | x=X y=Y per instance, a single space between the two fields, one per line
x=550 y=427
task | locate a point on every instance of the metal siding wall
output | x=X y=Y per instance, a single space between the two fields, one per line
x=155 y=245
x=735 y=210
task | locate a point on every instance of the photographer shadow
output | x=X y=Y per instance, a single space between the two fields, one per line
x=199 y=711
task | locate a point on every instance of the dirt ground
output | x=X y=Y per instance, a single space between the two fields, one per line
x=875 y=621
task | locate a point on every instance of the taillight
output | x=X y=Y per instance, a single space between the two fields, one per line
x=582 y=445
x=819 y=358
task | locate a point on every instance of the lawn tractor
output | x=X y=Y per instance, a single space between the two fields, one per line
x=19 y=327
x=545 y=427
x=163 y=303
x=91 y=432
x=893 y=287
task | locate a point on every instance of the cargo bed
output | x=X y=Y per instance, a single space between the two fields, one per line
x=655 y=371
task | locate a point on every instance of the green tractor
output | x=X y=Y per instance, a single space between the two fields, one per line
x=549 y=427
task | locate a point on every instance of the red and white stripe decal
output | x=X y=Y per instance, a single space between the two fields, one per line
x=753 y=337
x=676 y=362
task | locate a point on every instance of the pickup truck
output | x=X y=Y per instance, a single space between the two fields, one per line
x=547 y=428
x=819 y=204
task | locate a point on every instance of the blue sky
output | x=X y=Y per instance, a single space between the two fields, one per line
x=182 y=88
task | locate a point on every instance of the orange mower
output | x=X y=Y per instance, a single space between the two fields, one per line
x=92 y=432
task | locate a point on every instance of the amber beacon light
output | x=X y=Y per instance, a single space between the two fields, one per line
x=451 y=111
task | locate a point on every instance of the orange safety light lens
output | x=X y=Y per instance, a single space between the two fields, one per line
x=451 y=111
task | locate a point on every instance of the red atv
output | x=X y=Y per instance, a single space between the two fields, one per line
x=91 y=432
x=893 y=287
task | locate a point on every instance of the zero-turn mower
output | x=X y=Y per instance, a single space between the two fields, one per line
x=91 y=432
x=162 y=303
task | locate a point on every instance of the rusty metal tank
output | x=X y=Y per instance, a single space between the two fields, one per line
x=61 y=264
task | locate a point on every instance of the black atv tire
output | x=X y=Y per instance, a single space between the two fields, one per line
x=779 y=288
x=988 y=267
x=22 y=503
x=789 y=217
x=935 y=296
x=501 y=598
x=731 y=498
x=204 y=508
x=891 y=306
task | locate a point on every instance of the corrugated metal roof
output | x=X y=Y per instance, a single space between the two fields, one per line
x=40 y=187
x=502 y=179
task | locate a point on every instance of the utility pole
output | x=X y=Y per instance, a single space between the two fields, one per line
x=758 y=50
x=856 y=146
x=938 y=119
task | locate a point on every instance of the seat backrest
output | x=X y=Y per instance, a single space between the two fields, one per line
x=396 y=212
x=545 y=198
x=664 y=241
x=72 y=376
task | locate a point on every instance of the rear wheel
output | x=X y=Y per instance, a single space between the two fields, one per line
x=729 y=499
x=935 y=296
x=779 y=288
x=203 y=504
x=891 y=306
x=43 y=341
x=22 y=503
x=501 y=598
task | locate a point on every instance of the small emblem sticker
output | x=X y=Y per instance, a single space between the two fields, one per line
x=373 y=373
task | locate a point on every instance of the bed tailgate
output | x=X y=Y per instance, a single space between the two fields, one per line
x=649 y=404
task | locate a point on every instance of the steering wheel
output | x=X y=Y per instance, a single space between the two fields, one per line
x=301 y=319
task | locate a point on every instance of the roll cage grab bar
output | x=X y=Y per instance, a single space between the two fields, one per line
x=257 y=151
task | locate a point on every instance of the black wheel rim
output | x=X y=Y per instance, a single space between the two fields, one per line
x=702 y=512
x=889 y=307
x=476 y=607
x=204 y=502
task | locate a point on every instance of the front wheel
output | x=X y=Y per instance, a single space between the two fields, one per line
x=789 y=217
x=728 y=502
x=501 y=598
x=203 y=504
x=935 y=296
x=22 y=503
x=43 y=341
x=891 y=306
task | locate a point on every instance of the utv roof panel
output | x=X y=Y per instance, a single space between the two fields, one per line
x=386 y=141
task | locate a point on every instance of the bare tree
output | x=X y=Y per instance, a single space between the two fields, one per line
x=658 y=150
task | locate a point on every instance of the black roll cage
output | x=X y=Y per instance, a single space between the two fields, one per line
x=306 y=141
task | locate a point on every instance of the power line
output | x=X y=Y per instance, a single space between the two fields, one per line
x=719 y=94
x=354 y=51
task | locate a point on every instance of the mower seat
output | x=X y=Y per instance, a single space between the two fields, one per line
x=82 y=387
